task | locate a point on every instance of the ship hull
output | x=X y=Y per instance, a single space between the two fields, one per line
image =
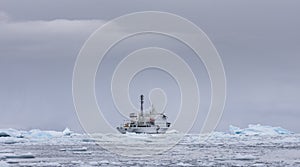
x=145 y=130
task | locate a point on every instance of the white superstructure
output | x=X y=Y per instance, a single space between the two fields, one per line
x=149 y=122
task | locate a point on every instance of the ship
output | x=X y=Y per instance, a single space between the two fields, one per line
x=151 y=122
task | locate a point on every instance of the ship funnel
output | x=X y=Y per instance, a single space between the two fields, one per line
x=142 y=102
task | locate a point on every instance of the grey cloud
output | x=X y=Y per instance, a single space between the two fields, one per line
x=47 y=35
x=258 y=42
x=4 y=16
x=36 y=62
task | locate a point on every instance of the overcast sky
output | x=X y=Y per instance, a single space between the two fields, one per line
x=258 y=42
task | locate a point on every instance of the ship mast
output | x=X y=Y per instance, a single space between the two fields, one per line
x=142 y=102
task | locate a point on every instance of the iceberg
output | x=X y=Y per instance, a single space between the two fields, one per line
x=259 y=130
x=67 y=132
x=39 y=134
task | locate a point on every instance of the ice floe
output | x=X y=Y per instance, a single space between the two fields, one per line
x=3 y=134
x=79 y=149
x=3 y=164
x=35 y=136
x=19 y=156
x=256 y=145
x=244 y=157
x=183 y=164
